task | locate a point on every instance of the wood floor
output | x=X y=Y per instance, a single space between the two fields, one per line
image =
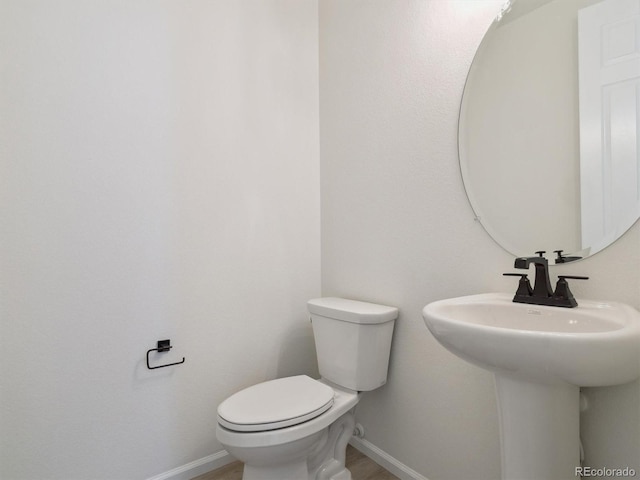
x=361 y=467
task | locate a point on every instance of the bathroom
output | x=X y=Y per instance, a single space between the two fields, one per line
x=198 y=170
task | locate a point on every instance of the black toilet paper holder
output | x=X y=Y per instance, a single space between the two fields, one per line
x=163 y=346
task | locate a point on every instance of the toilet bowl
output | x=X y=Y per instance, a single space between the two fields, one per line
x=297 y=428
x=300 y=450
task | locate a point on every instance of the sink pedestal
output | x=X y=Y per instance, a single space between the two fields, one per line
x=540 y=355
x=539 y=429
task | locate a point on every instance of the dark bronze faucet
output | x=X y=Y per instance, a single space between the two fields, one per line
x=541 y=293
x=542 y=284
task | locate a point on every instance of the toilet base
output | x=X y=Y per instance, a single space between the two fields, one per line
x=320 y=456
x=277 y=462
x=333 y=470
x=344 y=475
x=335 y=450
x=281 y=472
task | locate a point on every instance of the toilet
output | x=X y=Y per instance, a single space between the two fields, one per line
x=297 y=428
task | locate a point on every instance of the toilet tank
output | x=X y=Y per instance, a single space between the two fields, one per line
x=353 y=341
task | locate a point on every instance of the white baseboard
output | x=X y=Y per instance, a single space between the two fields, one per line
x=385 y=460
x=197 y=467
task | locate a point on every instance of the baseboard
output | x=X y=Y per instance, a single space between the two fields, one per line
x=197 y=467
x=385 y=460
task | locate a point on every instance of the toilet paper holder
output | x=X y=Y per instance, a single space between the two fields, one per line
x=163 y=346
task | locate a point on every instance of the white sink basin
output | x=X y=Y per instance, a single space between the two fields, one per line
x=593 y=344
x=540 y=356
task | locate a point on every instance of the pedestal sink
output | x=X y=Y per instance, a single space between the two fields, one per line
x=540 y=356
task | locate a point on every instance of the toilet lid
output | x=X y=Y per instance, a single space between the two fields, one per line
x=275 y=404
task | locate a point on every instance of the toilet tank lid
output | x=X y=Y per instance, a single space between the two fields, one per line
x=352 y=310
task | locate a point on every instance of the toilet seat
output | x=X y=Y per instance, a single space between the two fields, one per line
x=275 y=404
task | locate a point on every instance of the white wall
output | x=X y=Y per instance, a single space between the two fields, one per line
x=158 y=179
x=397 y=229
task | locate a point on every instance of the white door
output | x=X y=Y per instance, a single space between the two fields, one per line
x=609 y=91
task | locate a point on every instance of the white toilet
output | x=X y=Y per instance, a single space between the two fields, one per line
x=297 y=428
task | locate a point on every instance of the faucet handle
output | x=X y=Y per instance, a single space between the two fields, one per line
x=541 y=253
x=562 y=291
x=524 y=286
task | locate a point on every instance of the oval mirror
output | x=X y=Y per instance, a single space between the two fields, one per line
x=549 y=121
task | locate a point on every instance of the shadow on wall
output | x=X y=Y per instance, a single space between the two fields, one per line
x=298 y=353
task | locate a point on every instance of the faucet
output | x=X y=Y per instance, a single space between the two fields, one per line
x=542 y=284
x=541 y=293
